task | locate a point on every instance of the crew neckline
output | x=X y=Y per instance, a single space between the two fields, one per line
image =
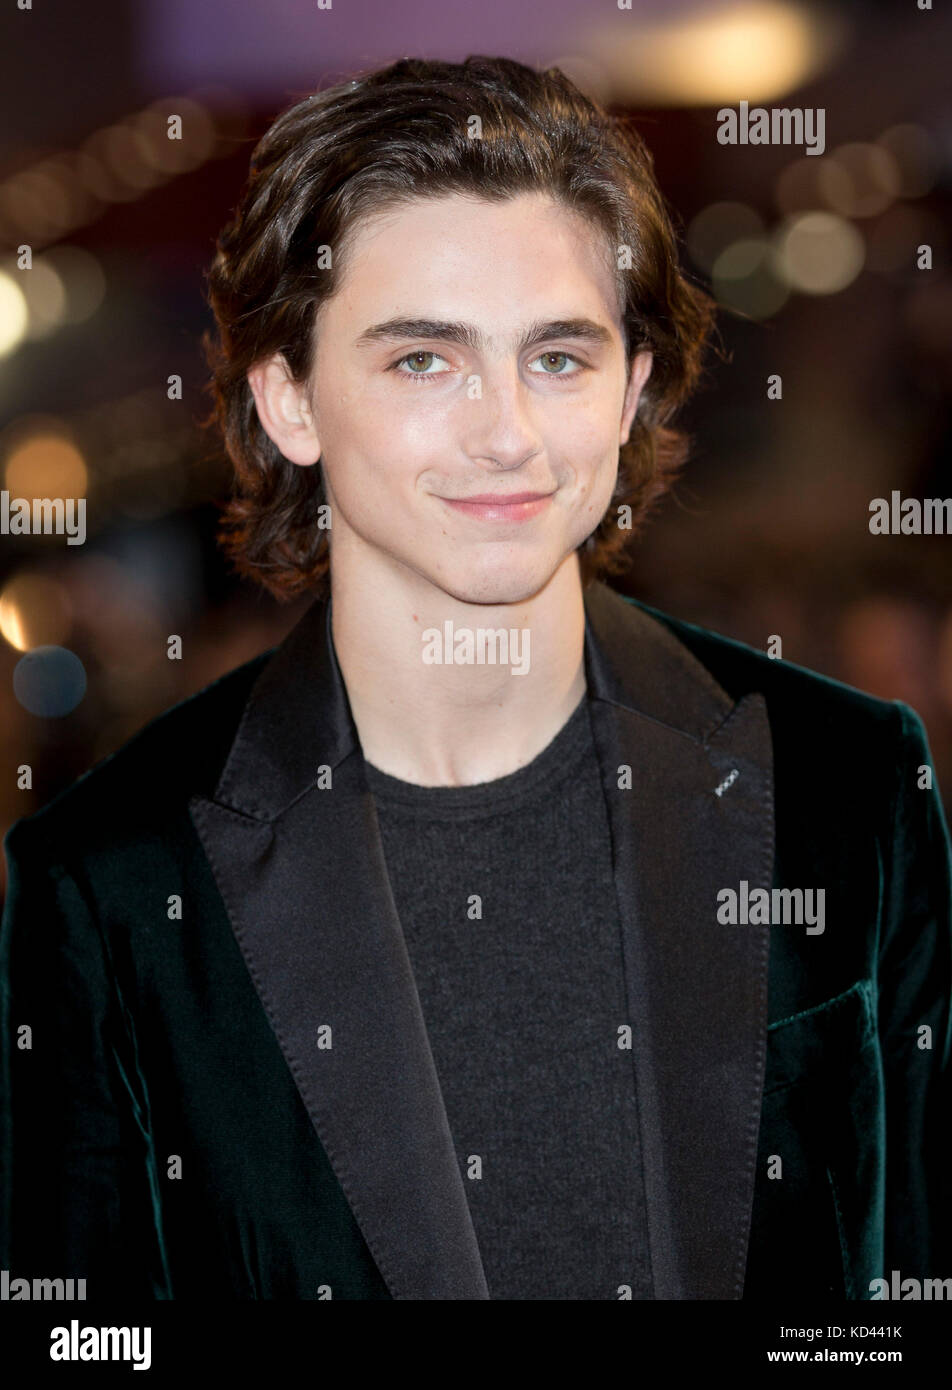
x=553 y=762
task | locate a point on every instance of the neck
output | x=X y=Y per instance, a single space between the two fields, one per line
x=434 y=706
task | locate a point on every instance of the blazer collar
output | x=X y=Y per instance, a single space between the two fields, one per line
x=298 y=717
x=300 y=869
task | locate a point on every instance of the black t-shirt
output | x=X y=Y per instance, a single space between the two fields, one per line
x=507 y=902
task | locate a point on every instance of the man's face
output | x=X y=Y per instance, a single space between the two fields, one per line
x=485 y=395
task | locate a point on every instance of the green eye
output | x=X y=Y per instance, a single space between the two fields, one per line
x=561 y=358
x=421 y=359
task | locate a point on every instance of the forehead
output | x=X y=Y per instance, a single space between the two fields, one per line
x=488 y=261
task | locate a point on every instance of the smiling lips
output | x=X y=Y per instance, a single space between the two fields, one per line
x=489 y=506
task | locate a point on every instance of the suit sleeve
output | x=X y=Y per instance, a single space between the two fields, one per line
x=78 y=1188
x=915 y=1017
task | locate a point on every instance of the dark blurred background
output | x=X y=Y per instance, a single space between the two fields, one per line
x=813 y=260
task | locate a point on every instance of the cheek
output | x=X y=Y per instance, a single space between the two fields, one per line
x=370 y=463
x=588 y=422
x=586 y=444
x=398 y=421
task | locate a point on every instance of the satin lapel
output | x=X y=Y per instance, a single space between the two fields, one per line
x=698 y=818
x=301 y=873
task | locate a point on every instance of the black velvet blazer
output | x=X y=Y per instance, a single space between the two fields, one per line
x=184 y=921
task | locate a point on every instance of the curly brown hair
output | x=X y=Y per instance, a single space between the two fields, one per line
x=388 y=137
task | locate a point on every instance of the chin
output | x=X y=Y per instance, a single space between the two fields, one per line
x=515 y=582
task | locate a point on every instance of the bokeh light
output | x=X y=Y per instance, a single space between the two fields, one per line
x=49 y=681
x=35 y=609
x=45 y=462
x=716 y=227
x=818 y=252
x=14 y=313
x=859 y=179
x=758 y=51
x=745 y=280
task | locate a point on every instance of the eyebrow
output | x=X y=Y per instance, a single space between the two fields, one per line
x=466 y=334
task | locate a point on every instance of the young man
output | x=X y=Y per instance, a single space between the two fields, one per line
x=494 y=936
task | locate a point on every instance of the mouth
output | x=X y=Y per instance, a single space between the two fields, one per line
x=488 y=506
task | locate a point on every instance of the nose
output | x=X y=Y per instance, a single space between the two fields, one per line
x=501 y=430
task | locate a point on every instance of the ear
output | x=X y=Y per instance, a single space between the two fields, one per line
x=284 y=411
x=640 y=372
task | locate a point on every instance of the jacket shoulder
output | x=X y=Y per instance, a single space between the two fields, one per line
x=741 y=669
x=806 y=709
x=177 y=754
